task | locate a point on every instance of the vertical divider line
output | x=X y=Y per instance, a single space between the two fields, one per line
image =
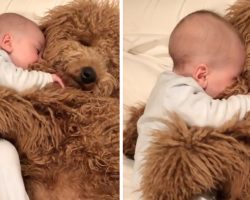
x=121 y=99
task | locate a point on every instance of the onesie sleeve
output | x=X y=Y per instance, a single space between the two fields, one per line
x=198 y=108
x=20 y=79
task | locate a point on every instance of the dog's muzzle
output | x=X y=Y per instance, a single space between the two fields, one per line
x=88 y=75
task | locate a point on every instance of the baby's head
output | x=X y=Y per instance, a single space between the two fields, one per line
x=21 y=38
x=206 y=47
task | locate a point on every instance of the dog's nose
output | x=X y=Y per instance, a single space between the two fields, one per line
x=88 y=75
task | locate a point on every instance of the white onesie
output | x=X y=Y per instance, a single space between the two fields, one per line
x=19 y=79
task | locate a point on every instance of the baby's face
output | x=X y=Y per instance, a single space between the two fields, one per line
x=27 y=48
x=220 y=80
x=221 y=77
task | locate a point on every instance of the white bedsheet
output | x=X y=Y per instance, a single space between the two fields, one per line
x=32 y=9
x=147 y=26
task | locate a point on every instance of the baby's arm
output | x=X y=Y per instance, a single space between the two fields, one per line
x=197 y=108
x=21 y=80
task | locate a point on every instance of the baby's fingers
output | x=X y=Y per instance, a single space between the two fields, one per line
x=60 y=82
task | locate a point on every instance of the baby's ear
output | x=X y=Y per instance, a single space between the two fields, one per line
x=6 y=43
x=200 y=75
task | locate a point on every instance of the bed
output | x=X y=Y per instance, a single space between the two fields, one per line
x=32 y=9
x=147 y=26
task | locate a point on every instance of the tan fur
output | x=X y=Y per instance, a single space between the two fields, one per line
x=130 y=132
x=84 y=33
x=191 y=161
x=68 y=139
x=184 y=161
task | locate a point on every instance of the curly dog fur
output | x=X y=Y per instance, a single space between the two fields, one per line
x=68 y=139
x=191 y=160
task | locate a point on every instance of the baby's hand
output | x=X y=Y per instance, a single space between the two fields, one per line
x=58 y=80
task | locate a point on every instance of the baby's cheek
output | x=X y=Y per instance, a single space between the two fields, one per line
x=34 y=58
x=220 y=85
x=225 y=84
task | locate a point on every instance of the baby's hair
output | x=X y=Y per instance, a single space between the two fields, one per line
x=180 y=61
x=14 y=21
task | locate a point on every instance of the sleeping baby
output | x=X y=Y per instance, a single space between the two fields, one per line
x=208 y=56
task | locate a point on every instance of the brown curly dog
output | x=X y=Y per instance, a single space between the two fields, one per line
x=83 y=45
x=68 y=139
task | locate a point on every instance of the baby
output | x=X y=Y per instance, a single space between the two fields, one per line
x=21 y=44
x=208 y=56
